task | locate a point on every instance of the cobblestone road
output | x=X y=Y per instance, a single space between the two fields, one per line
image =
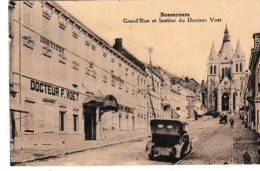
x=212 y=144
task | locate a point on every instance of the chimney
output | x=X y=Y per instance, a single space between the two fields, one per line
x=118 y=43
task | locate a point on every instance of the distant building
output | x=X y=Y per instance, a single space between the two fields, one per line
x=154 y=82
x=225 y=77
x=166 y=108
x=193 y=96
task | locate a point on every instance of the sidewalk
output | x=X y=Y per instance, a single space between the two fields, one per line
x=29 y=155
x=244 y=140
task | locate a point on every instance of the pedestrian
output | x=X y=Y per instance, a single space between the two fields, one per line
x=231 y=123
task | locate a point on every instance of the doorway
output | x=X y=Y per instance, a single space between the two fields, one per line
x=225 y=102
x=90 y=123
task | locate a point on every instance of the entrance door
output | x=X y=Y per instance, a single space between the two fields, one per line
x=225 y=102
x=90 y=124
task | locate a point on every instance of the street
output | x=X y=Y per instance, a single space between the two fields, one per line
x=212 y=144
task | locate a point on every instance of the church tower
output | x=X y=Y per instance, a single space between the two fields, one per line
x=225 y=76
x=212 y=76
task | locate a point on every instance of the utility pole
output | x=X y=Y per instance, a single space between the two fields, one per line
x=150 y=50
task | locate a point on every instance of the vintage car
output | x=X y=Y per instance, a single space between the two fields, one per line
x=168 y=138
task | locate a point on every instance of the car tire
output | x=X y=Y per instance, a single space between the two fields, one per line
x=151 y=156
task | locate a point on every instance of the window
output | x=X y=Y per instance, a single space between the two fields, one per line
x=75 y=41
x=113 y=83
x=240 y=67
x=62 y=121
x=120 y=86
x=27 y=15
x=61 y=36
x=105 y=79
x=45 y=27
x=29 y=118
x=211 y=69
x=236 y=67
x=91 y=64
x=215 y=69
x=75 y=123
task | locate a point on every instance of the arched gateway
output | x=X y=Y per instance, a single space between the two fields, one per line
x=225 y=102
x=94 y=107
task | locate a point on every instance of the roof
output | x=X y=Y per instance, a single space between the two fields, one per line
x=130 y=56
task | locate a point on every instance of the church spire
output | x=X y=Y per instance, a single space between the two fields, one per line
x=239 y=53
x=226 y=37
x=212 y=54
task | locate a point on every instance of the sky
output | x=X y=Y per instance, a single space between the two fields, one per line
x=180 y=48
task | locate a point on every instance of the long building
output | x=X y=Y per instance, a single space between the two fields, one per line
x=67 y=83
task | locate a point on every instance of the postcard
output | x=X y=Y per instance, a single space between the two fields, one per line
x=108 y=83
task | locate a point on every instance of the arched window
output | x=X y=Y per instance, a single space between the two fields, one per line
x=215 y=69
x=211 y=69
x=226 y=72
x=240 y=67
x=223 y=73
x=236 y=67
x=229 y=73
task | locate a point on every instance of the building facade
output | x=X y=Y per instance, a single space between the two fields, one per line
x=253 y=87
x=166 y=108
x=66 y=83
x=225 y=77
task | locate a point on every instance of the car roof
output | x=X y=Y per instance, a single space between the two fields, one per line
x=169 y=120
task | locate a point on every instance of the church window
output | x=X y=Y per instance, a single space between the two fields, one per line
x=236 y=67
x=215 y=69
x=210 y=69
x=240 y=67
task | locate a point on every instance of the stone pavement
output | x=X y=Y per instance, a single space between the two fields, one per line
x=245 y=140
x=34 y=154
x=220 y=145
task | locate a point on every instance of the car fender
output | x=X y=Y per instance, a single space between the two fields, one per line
x=178 y=148
x=149 y=146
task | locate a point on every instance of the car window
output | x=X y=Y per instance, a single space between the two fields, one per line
x=160 y=126
x=169 y=126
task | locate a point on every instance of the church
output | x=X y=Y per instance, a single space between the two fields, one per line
x=225 y=77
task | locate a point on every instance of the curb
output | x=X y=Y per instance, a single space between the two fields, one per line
x=74 y=151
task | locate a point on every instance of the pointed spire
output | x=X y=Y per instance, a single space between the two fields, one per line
x=239 y=53
x=212 y=54
x=226 y=37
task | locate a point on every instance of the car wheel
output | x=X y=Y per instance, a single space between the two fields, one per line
x=151 y=156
